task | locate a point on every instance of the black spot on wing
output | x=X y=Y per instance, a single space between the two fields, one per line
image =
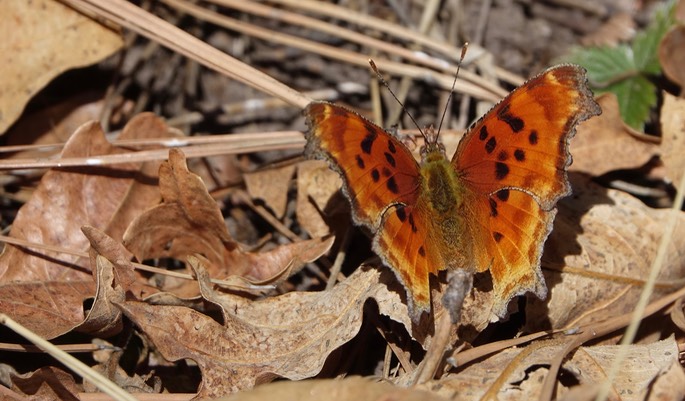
x=520 y=155
x=391 y=184
x=490 y=145
x=533 y=137
x=493 y=207
x=515 y=123
x=422 y=251
x=369 y=139
x=390 y=159
x=375 y=175
x=501 y=170
x=391 y=147
x=483 y=134
x=497 y=236
x=503 y=195
x=360 y=162
x=401 y=214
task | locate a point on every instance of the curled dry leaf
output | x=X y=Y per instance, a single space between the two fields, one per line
x=517 y=373
x=106 y=197
x=189 y=222
x=673 y=134
x=44 y=38
x=103 y=318
x=48 y=383
x=606 y=143
x=606 y=241
x=271 y=186
x=289 y=336
x=348 y=389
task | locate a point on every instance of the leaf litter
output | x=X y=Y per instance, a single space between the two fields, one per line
x=257 y=313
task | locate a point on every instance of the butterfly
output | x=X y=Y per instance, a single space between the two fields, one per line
x=490 y=208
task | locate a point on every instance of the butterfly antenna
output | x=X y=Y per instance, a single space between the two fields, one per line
x=385 y=83
x=449 y=99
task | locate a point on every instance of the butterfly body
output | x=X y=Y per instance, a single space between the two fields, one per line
x=490 y=208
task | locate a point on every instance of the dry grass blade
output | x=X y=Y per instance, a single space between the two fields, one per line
x=74 y=364
x=480 y=88
x=138 y=20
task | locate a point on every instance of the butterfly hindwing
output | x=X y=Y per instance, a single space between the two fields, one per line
x=377 y=169
x=510 y=230
x=404 y=240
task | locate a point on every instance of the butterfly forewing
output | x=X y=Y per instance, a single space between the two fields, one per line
x=523 y=141
x=377 y=170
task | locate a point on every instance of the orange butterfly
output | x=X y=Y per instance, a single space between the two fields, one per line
x=490 y=208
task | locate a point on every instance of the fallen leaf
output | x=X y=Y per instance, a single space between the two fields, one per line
x=271 y=186
x=43 y=39
x=49 y=308
x=605 y=241
x=106 y=197
x=348 y=389
x=52 y=125
x=46 y=384
x=289 y=336
x=619 y=28
x=672 y=55
x=518 y=373
x=189 y=222
x=316 y=185
x=673 y=136
x=606 y=143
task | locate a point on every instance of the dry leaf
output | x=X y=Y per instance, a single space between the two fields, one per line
x=189 y=222
x=517 y=373
x=44 y=38
x=619 y=28
x=605 y=135
x=316 y=184
x=289 y=336
x=46 y=384
x=672 y=56
x=610 y=233
x=104 y=319
x=66 y=199
x=271 y=186
x=49 y=308
x=52 y=125
x=348 y=389
x=673 y=136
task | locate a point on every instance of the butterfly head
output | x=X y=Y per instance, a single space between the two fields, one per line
x=432 y=147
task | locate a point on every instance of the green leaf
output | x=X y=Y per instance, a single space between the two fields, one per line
x=646 y=43
x=636 y=97
x=623 y=70
x=604 y=64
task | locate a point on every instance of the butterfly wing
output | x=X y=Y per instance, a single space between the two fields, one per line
x=381 y=180
x=513 y=164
